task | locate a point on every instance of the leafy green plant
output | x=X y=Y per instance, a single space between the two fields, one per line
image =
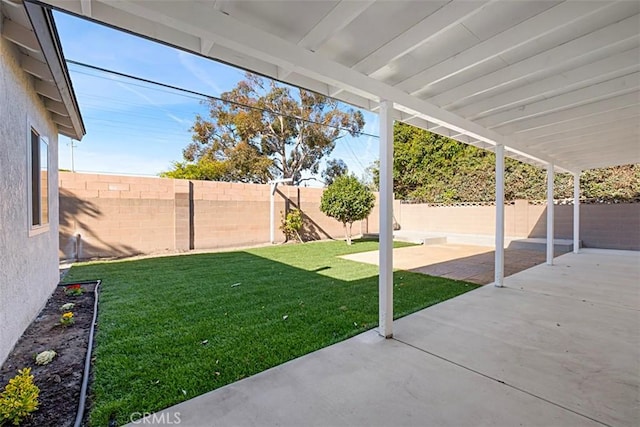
x=291 y=224
x=347 y=200
x=73 y=290
x=19 y=398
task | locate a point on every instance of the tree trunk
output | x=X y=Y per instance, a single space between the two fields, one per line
x=347 y=234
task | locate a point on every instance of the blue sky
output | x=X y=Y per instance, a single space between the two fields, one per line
x=137 y=128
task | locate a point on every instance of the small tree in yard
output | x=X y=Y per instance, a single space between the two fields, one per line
x=291 y=224
x=347 y=200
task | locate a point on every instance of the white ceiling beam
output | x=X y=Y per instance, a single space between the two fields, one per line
x=335 y=91
x=238 y=36
x=586 y=95
x=520 y=148
x=581 y=154
x=20 y=35
x=240 y=60
x=585 y=152
x=35 y=68
x=617 y=159
x=629 y=123
x=526 y=32
x=305 y=82
x=606 y=119
x=567 y=81
x=591 y=143
x=575 y=165
x=345 y=12
x=218 y=4
x=239 y=43
x=85 y=7
x=416 y=120
x=582 y=111
x=47 y=89
x=338 y=18
x=517 y=148
x=436 y=128
x=599 y=44
x=448 y=16
x=206 y=46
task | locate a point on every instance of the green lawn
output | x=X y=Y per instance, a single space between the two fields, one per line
x=172 y=328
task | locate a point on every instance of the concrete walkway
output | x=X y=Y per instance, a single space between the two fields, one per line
x=456 y=261
x=558 y=346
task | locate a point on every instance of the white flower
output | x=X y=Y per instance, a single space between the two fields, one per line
x=67 y=307
x=45 y=357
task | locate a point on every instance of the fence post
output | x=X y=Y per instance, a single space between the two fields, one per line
x=181 y=214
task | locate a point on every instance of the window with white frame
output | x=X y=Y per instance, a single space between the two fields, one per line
x=38 y=180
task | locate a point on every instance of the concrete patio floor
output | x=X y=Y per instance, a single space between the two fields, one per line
x=558 y=346
x=456 y=261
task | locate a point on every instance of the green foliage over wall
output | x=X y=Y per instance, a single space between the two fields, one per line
x=434 y=169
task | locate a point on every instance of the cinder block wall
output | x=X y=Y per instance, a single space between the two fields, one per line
x=611 y=226
x=108 y=215
x=614 y=226
x=120 y=215
x=227 y=215
x=451 y=219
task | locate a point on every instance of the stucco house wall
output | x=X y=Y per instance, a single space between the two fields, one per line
x=29 y=263
x=37 y=104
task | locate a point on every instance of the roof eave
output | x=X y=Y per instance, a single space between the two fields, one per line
x=44 y=28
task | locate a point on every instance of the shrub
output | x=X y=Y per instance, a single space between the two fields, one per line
x=19 y=398
x=291 y=224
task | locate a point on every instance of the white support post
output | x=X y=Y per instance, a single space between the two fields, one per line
x=385 y=283
x=576 y=212
x=272 y=213
x=272 y=206
x=550 y=217
x=499 y=261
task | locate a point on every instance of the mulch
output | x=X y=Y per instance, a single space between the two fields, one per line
x=60 y=381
